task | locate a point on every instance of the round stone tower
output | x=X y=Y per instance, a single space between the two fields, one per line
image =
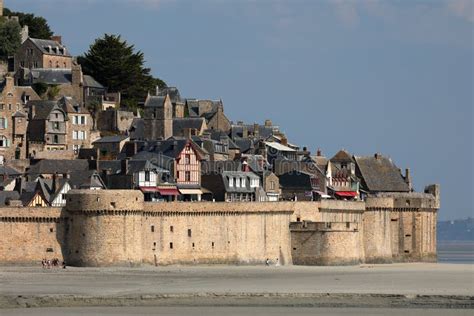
x=104 y=227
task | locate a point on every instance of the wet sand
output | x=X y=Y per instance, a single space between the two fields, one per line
x=399 y=285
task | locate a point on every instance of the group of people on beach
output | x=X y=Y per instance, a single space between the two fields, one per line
x=269 y=262
x=52 y=263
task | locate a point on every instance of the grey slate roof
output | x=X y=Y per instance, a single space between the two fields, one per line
x=296 y=180
x=8 y=171
x=110 y=139
x=137 y=129
x=173 y=92
x=380 y=174
x=42 y=44
x=155 y=101
x=52 y=75
x=90 y=82
x=49 y=166
x=42 y=108
x=6 y=196
x=180 y=124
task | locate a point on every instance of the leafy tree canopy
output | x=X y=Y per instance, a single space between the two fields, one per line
x=37 y=26
x=116 y=64
x=10 y=39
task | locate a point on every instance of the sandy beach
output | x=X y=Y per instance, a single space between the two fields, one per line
x=438 y=285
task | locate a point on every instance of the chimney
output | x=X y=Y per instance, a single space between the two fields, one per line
x=284 y=141
x=9 y=83
x=268 y=123
x=124 y=166
x=408 y=178
x=245 y=132
x=245 y=166
x=256 y=130
x=57 y=38
x=318 y=152
x=54 y=184
x=187 y=132
x=131 y=149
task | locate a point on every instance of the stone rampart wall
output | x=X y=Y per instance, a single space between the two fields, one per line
x=116 y=227
x=325 y=243
x=30 y=234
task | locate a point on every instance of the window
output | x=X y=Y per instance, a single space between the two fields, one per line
x=3 y=122
x=51 y=230
x=147 y=175
x=171 y=245
x=212 y=244
x=3 y=141
x=63 y=196
x=56 y=139
x=2 y=106
x=152 y=228
x=231 y=182
x=177 y=174
x=187 y=175
x=74 y=119
x=9 y=106
x=348 y=225
x=75 y=135
x=171 y=229
x=272 y=185
x=83 y=120
x=189 y=232
x=56 y=125
x=50 y=64
x=242 y=182
x=187 y=159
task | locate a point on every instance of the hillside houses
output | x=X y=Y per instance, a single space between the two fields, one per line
x=172 y=148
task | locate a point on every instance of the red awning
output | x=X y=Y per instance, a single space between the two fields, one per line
x=162 y=191
x=148 y=189
x=347 y=193
x=168 y=191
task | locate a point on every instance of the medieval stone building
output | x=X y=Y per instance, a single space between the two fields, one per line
x=13 y=119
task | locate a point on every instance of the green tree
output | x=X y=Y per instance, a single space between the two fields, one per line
x=116 y=64
x=40 y=88
x=10 y=39
x=53 y=92
x=94 y=108
x=37 y=26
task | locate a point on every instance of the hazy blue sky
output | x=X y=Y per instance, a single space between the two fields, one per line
x=394 y=77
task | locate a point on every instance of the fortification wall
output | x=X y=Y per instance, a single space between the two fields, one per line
x=216 y=237
x=105 y=228
x=30 y=234
x=115 y=227
x=325 y=243
x=327 y=211
x=376 y=230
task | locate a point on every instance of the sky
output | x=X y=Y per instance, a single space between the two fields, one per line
x=394 y=77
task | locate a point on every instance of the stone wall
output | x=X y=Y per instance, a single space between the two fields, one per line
x=30 y=234
x=325 y=243
x=115 y=227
